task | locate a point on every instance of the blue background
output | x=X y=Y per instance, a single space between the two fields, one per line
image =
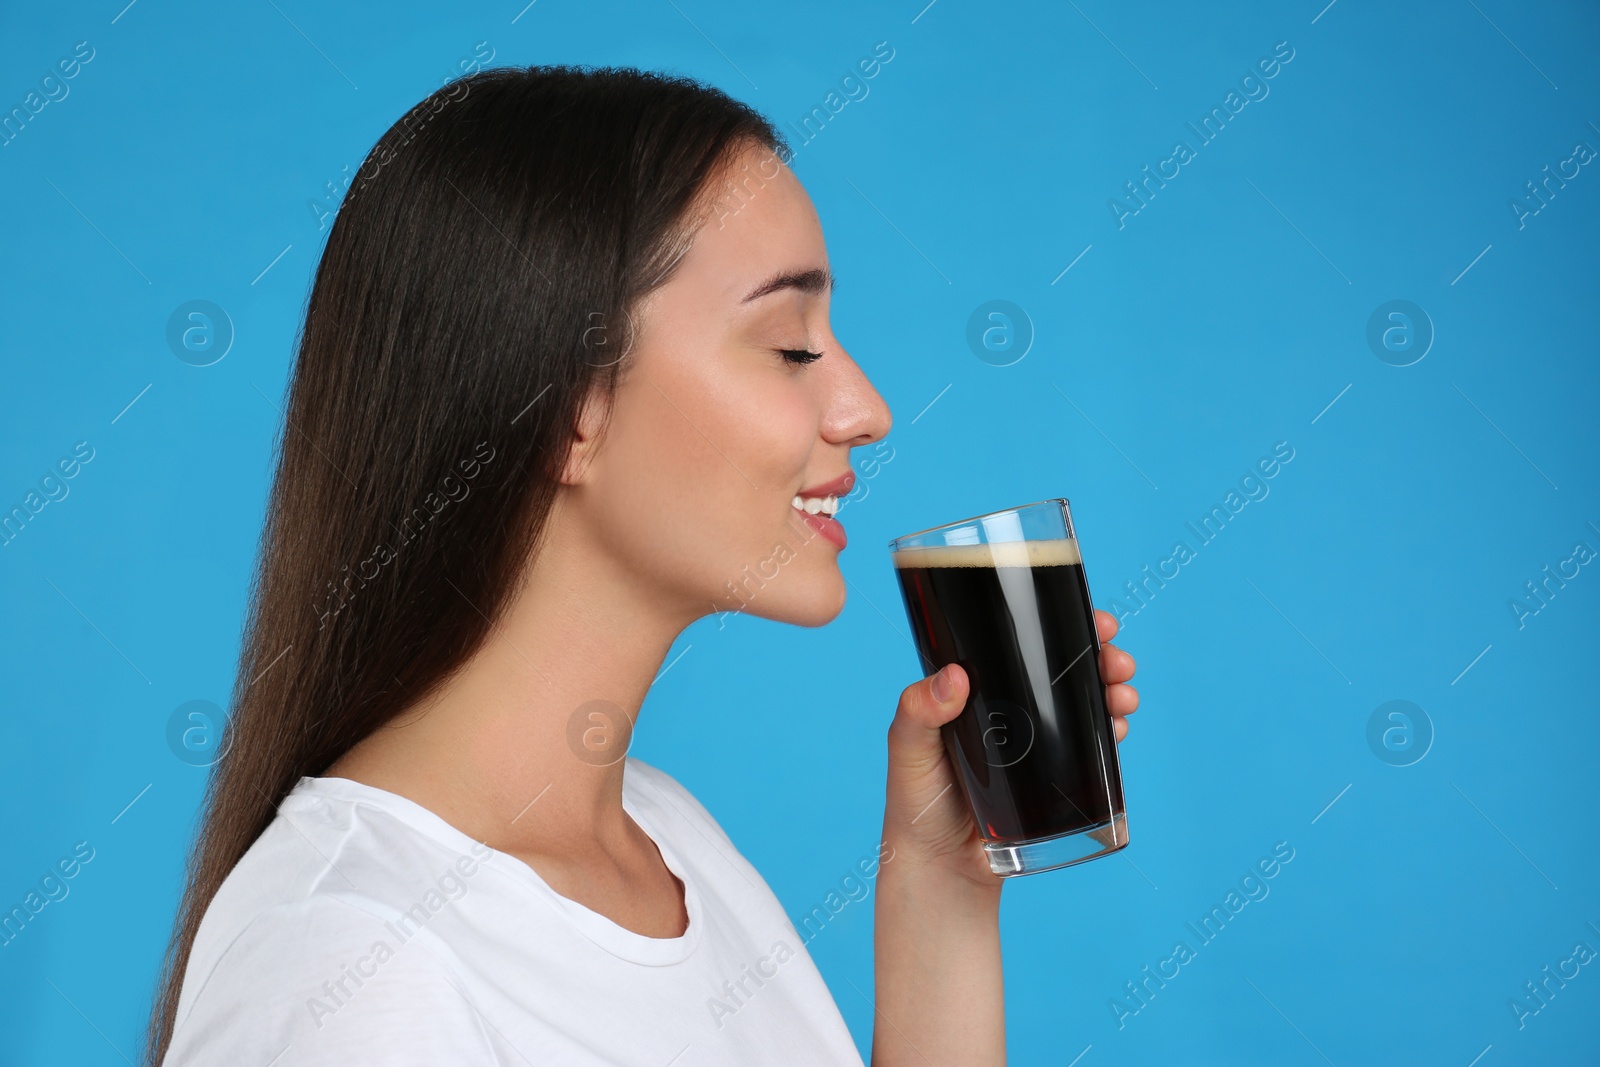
x=1229 y=314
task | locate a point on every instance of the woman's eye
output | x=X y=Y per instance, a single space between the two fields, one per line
x=799 y=355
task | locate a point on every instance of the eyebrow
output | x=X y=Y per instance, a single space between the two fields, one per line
x=815 y=281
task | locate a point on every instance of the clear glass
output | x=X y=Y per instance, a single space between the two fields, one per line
x=1005 y=596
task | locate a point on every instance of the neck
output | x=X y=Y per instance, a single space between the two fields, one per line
x=523 y=747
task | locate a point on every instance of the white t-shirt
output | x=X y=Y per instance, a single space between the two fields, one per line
x=362 y=928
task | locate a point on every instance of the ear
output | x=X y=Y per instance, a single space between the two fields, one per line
x=585 y=443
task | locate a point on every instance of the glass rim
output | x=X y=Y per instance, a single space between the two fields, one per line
x=976 y=518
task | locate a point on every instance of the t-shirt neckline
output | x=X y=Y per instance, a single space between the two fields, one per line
x=604 y=932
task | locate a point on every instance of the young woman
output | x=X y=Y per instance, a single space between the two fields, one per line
x=566 y=370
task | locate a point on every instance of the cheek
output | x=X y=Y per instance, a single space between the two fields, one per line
x=773 y=435
x=699 y=469
x=782 y=450
x=763 y=427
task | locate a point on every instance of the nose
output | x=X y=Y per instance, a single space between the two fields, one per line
x=856 y=414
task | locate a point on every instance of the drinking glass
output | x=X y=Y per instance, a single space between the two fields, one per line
x=1005 y=596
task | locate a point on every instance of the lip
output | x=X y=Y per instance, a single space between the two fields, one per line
x=838 y=487
x=831 y=529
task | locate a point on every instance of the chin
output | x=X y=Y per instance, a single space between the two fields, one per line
x=818 y=604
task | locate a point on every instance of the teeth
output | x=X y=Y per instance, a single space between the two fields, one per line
x=813 y=505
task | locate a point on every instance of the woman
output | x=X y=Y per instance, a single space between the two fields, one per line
x=566 y=369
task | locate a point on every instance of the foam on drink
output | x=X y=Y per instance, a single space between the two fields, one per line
x=1061 y=552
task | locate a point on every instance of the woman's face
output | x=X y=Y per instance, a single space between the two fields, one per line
x=714 y=431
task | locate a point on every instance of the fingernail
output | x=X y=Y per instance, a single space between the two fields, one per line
x=941 y=685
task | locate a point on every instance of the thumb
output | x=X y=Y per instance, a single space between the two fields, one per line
x=915 y=742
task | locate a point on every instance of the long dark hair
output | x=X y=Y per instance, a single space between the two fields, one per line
x=475 y=290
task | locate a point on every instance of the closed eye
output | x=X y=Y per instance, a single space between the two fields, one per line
x=799 y=356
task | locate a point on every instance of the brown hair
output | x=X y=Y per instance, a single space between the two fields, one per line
x=474 y=290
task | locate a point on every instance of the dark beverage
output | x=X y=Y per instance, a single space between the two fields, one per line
x=1033 y=746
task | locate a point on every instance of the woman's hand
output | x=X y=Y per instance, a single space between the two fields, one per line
x=1116 y=667
x=940 y=984
x=926 y=818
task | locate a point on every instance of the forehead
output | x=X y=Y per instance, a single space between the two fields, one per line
x=755 y=220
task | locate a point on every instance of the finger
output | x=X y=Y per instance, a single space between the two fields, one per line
x=1105 y=624
x=1115 y=664
x=915 y=742
x=1122 y=699
x=1119 y=727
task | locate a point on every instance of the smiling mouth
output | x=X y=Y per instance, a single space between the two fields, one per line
x=817 y=505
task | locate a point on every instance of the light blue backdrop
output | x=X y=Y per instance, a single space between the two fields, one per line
x=1442 y=860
